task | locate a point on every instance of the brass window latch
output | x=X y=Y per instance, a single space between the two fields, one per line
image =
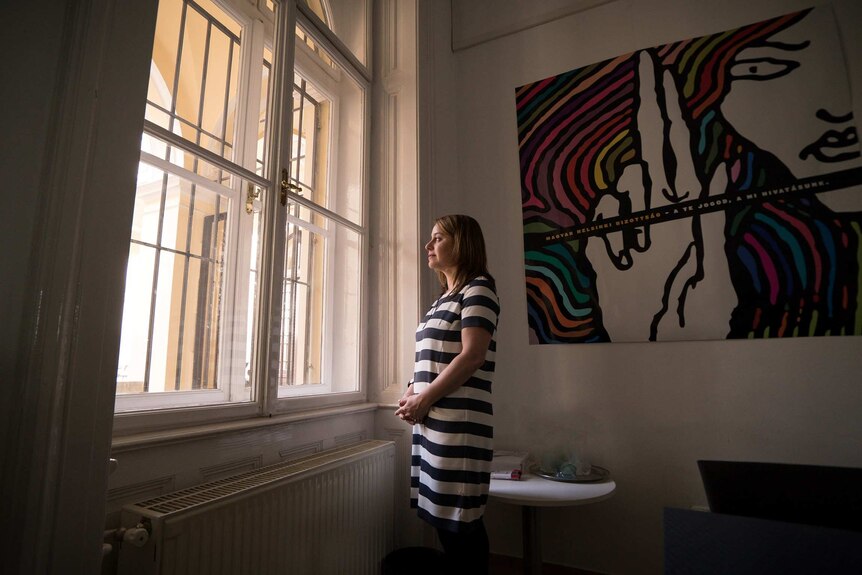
x=252 y=197
x=286 y=185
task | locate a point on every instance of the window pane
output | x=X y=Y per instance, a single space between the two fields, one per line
x=252 y=303
x=348 y=19
x=177 y=335
x=194 y=85
x=303 y=288
x=263 y=119
x=134 y=342
x=177 y=253
x=307 y=114
x=345 y=308
x=319 y=343
x=327 y=148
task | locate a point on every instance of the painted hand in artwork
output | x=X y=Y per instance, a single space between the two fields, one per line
x=654 y=268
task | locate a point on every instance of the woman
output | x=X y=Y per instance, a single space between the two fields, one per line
x=448 y=402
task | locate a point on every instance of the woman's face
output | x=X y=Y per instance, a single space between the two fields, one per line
x=440 y=249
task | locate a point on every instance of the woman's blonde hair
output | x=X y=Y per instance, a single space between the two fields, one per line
x=471 y=260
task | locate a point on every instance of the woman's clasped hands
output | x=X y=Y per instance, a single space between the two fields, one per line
x=411 y=407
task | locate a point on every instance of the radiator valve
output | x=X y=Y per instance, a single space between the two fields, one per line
x=137 y=536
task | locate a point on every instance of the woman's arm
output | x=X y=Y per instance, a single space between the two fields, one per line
x=474 y=346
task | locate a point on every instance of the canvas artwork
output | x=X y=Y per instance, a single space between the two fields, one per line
x=704 y=189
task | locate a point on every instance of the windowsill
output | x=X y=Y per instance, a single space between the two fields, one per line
x=169 y=436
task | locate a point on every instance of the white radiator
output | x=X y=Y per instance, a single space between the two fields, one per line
x=330 y=513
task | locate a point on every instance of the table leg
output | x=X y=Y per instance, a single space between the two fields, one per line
x=532 y=543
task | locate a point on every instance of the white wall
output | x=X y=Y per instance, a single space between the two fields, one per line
x=645 y=411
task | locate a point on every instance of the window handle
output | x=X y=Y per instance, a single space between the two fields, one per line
x=252 y=195
x=286 y=185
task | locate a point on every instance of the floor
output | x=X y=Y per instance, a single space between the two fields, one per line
x=505 y=565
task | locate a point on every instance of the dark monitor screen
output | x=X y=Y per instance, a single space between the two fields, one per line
x=810 y=494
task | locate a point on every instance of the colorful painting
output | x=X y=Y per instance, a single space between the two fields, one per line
x=705 y=189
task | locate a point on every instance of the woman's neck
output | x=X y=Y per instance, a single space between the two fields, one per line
x=450 y=281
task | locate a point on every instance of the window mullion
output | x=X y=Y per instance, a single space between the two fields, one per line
x=232 y=341
x=275 y=215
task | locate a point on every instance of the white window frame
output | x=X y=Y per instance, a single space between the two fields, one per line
x=152 y=400
x=310 y=68
x=265 y=400
x=348 y=64
x=231 y=368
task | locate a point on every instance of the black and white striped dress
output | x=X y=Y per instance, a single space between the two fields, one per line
x=453 y=446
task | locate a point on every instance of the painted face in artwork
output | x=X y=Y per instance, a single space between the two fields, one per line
x=784 y=99
x=440 y=249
